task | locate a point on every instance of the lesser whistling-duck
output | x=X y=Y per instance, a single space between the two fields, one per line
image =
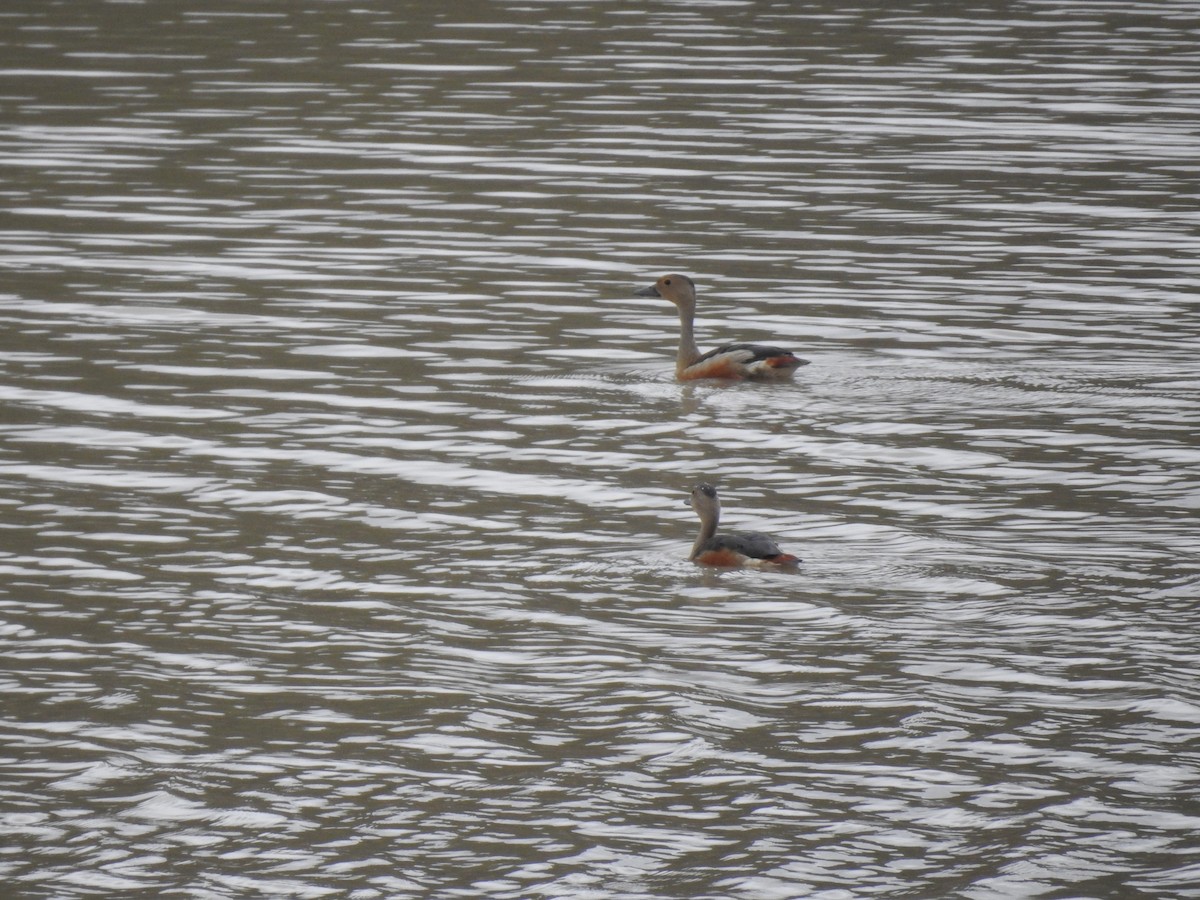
x=733 y=548
x=727 y=361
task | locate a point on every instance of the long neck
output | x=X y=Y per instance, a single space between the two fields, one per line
x=710 y=515
x=688 y=351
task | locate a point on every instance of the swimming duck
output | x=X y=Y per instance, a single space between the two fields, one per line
x=727 y=361
x=734 y=548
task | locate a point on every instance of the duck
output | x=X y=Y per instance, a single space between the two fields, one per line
x=729 y=361
x=733 y=548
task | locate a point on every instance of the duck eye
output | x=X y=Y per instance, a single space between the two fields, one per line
x=666 y=281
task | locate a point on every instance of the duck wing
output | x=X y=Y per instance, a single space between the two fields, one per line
x=749 y=354
x=753 y=544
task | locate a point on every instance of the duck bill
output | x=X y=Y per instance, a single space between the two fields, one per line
x=651 y=291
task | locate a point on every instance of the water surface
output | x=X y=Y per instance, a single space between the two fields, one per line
x=342 y=476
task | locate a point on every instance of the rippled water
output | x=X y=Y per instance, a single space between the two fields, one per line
x=341 y=476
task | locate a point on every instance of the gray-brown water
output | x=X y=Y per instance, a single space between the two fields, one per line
x=341 y=477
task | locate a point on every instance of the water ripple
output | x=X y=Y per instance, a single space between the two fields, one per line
x=344 y=538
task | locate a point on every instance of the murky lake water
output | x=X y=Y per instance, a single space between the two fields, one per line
x=342 y=479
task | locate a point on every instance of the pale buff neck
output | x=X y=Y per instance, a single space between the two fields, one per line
x=688 y=351
x=710 y=516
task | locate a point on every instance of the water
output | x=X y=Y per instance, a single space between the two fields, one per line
x=343 y=537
